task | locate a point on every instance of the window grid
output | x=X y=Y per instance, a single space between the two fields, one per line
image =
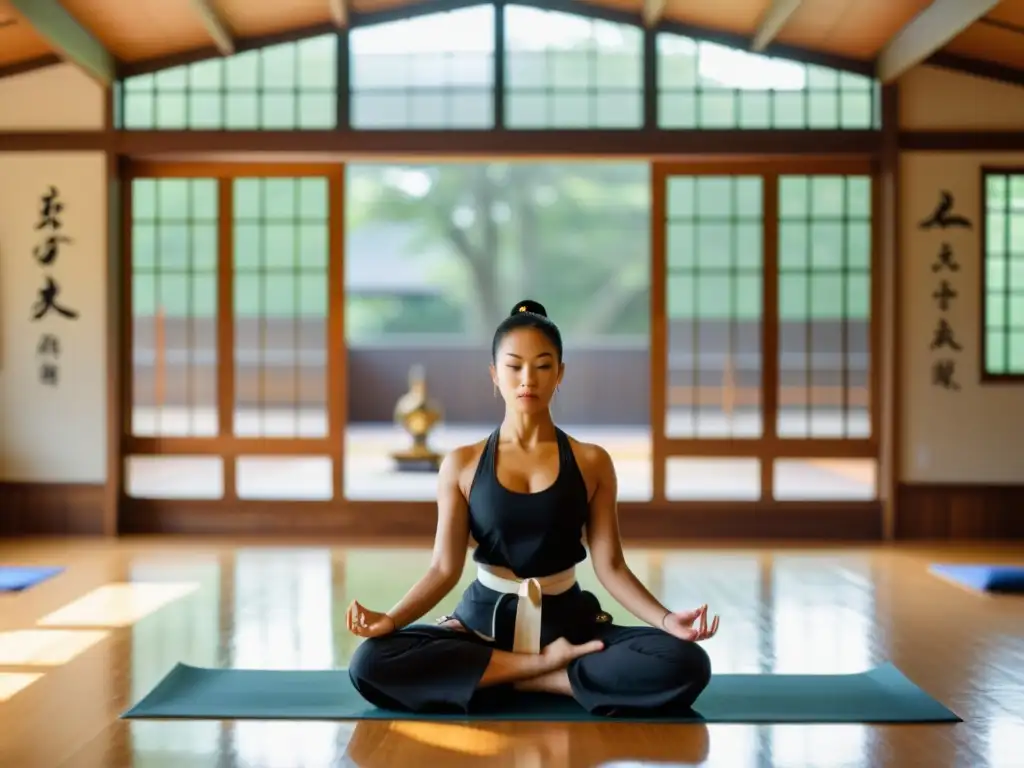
x=824 y=305
x=593 y=79
x=291 y=86
x=767 y=93
x=588 y=80
x=402 y=75
x=708 y=284
x=1003 y=275
x=174 y=307
x=280 y=268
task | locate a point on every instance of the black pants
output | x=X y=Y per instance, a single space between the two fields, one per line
x=428 y=668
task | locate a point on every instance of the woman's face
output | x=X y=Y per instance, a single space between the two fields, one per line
x=527 y=370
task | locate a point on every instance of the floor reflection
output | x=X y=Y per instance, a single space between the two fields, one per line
x=821 y=614
x=279 y=607
x=188 y=632
x=1006 y=740
x=282 y=609
x=823 y=746
x=525 y=744
x=733 y=587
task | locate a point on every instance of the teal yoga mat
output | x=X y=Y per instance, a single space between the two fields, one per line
x=881 y=695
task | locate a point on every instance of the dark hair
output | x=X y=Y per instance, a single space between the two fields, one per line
x=527 y=314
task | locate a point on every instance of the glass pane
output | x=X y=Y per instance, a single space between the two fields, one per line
x=715 y=285
x=288 y=86
x=824 y=307
x=578 y=73
x=174 y=477
x=283 y=478
x=825 y=479
x=1003 y=276
x=707 y=85
x=174 y=307
x=709 y=479
x=281 y=268
x=433 y=71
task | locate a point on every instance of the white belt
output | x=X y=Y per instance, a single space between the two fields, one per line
x=528 y=610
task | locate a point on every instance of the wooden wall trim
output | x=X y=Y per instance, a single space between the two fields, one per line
x=961 y=141
x=340 y=144
x=57 y=509
x=385 y=146
x=927 y=512
x=30 y=65
x=887 y=311
x=116 y=354
x=808 y=521
x=990 y=70
x=959 y=512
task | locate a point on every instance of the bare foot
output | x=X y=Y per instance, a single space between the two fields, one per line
x=552 y=682
x=560 y=652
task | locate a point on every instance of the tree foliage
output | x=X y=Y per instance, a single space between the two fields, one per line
x=574 y=236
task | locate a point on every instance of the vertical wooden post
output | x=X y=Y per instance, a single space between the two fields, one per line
x=160 y=361
x=728 y=386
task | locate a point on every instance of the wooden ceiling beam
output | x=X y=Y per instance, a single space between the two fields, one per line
x=339 y=12
x=652 y=12
x=772 y=21
x=926 y=33
x=68 y=38
x=215 y=26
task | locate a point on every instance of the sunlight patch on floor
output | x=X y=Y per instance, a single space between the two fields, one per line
x=117 y=605
x=13 y=683
x=45 y=647
x=457 y=738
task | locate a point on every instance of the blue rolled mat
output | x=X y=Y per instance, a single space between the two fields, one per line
x=984 y=578
x=15 y=578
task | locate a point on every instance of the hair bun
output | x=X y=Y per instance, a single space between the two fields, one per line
x=531 y=306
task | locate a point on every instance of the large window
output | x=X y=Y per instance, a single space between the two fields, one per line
x=824 y=306
x=441 y=71
x=715 y=276
x=280 y=307
x=1003 y=275
x=431 y=71
x=768 y=340
x=233 y=342
x=291 y=86
x=568 y=71
x=706 y=85
x=174 y=306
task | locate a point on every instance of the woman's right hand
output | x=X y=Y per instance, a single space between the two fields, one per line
x=366 y=623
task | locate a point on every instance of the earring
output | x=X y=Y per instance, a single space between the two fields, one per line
x=495 y=390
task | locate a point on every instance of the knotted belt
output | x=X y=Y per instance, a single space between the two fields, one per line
x=528 y=609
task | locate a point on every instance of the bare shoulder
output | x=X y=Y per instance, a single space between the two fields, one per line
x=593 y=460
x=459 y=465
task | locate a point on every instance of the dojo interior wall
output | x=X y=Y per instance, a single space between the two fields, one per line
x=52 y=435
x=972 y=435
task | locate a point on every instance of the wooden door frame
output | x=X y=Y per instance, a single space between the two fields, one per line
x=225 y=444
x=769 y=447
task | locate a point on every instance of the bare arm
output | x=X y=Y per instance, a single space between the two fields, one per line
x=605 y=545
x=450 y=544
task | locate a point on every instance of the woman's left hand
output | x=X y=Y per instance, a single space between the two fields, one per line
x=680 y=624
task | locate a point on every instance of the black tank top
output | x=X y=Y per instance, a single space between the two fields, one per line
x=532 y=534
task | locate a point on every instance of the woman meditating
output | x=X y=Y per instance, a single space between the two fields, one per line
x=527 y=494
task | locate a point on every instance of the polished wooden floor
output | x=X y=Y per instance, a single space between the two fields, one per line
x=77 y=650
